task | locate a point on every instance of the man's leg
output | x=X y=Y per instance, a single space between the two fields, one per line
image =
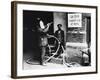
x=43 y=53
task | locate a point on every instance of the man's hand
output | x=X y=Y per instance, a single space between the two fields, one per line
x=48 y=24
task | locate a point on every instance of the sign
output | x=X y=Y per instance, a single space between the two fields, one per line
x=75 y=20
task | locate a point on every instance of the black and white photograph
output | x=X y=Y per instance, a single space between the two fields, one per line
x=54 y=39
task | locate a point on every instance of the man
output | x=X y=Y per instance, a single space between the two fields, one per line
x=59 y=34
x=42 y=38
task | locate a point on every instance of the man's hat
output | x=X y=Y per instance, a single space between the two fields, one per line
x=59 y=25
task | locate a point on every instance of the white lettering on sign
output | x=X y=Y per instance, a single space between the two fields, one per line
x=75 y=20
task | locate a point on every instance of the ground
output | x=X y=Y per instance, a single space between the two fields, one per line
x=73 y=59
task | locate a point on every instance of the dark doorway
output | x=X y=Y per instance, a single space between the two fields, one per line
x=29 y=27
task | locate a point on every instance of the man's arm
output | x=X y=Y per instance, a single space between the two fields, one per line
x=42 y=24
x=48 y=25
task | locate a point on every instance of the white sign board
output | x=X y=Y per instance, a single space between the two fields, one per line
x=75 y=20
